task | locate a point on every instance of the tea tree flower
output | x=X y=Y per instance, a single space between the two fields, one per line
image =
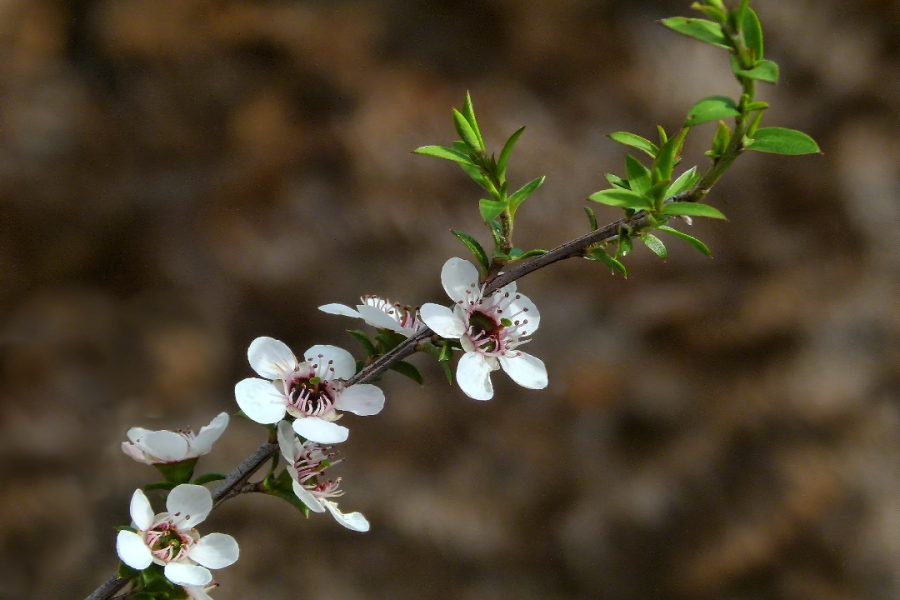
x=489 y=328
x=312 y=391
x=307 y=463
x=161 y=447
x=381 y=313
x=169 y=539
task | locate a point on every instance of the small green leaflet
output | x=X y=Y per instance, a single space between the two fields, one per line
x=363 y=340
x=409 y=370
x=753 y=35
x=692 y=209
x=633 y=140
x=638 y=175
x=655 y=245
x=622 y=199
x=616 y=181
x=592 y=218
x=668 y=155
x=700 y=246
x=685 y=181
x=524 y=192
x=507 y=151
x=624 y=247
x=208 y=477
x=445 y=153
x=765 y=70
x=780 y=140
x=474 y=247
x=490 y=209
x=709 y=109
x=614 y=266
x=465 y=131
x=703 y=30
x=469 y=113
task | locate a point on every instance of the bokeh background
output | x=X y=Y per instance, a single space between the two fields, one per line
x=178 y=177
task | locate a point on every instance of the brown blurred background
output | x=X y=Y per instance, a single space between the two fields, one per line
x=180 y=176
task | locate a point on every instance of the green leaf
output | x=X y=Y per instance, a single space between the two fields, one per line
x=469 y=113
x=474 y=247
x=388 y=340
x=408 y=370
x=364 y=341
x=624 y=244
x=703 y=30
x=592 y=218
x=668 y=155
x=466 y=133
x=720 y=140
x=445 y=153
x=614 y=266
x=633 y=140
x=700 y=246
x=685 y=181
x=208 y=477
x=524 y=192
x=638 y=175
x=448 y=373
x=290 y=497
x=692 y=209
x=507 y=151
x=490 y=209
x=159 y=485
x=709 y=109
x=616 y=181
x=765 y=70
x=753 y=35
x=655 y=245
x=622 y=199
x=780 y=140
x=478 y=177
x=529 y=254
x=714 y=12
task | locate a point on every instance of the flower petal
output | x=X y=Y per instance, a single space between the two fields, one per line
x=271 y=358
x=215 y=551
x=209 y=434
x=188 y=505
x=287 y=441
x=355 y=520
x=339 y=309
x=141 y=511
x=473 y=373
x=442 y=321
x=136 y=453
x=523 y=309
x=362 y=399
x=260 y=400
x=377 y=318
x=165 y=446
x=308 y=498
x=136 y=433
x=321 y=431
x=197 y=592
x=187 y=574
x=132 y=550
x=526 y=370
x=458 y=277
x=342 y=364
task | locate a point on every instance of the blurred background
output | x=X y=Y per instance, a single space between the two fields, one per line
x=178 y=177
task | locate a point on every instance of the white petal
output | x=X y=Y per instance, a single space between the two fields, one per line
x=308 y=498
x=521 y=309
x=342 y=362
x=442 y=321
x=377 y=318
x=136 y=453
x=321 y=431
x=362 y=399
x=215 y=551
x=188 y=505
x=355 y=520
x=271 y=358
x=165 y=446
x=187 y=574
x=473 y=373
x=340 y=309
x=260 y=400
x=209 y=434
x=136 y=433
x=458 y=277
x=526 y=370
x=196 y=592
x=287 y=441
x=133 y=551
x=141 y=511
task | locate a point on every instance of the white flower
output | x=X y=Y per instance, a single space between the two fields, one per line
x=380 y=313
x=489 y=329
x=307 y=463
x=311 y=391
x=160 y=447
x=169 y=539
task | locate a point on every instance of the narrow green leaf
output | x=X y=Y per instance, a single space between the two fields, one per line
x=622 y=199
x=685 y=181
x=469 y=113
x=668 y=155
x=616 y=181
x=692 y=209
x=448 y=373
x=445 y=153
x=388 y=340
x=446 y=353
x=638 y=175
x=465 y=131
x=700 y=246
x=633 y=140
x=531 y=253
x=474 y=247
x=408 y=370
x=160 y=485
x=507 y=151
x=290 y=497
x=490 y=209
x=709 y=109
x=663 y=137
x=780 y=140
x=765 y=70
x=364 y=341
x=753 y=35
x=655 y=245
x=614 y=266
x=720 y=140
x=703 y=30
x=524 y=192
x=592 y=218
x=624 y=244
x=713 y=12
x=208 y=477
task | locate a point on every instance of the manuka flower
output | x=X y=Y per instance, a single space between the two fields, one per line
x=170 y=540
x=380 y=313
x=312 y=391
x=162 y=447
x=307 y=463
x=489 y=329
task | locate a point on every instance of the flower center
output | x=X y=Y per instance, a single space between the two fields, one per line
x=167 y=543
x=484 y=331
x=311 y=466
x=311 y=396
